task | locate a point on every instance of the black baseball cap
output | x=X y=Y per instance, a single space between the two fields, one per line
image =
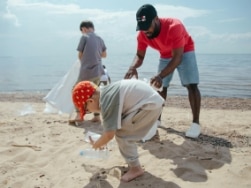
x=145 y=16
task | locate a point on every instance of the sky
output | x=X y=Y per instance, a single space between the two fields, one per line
x=51 y=27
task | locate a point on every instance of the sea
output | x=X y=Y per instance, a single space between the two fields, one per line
x=221 y=75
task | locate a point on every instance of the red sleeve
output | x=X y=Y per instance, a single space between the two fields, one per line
x=177 y=36
x=142 y=45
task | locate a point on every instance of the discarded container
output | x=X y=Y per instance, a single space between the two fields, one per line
x=94 y=154
x=27 y=109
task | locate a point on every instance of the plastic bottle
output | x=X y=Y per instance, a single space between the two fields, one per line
x=94 y=154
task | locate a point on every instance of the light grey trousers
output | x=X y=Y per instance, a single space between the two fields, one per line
x=134 y=127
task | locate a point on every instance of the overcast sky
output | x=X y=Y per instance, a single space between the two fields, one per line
x=51 y=27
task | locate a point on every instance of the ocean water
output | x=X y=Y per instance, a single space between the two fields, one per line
x=221 y=75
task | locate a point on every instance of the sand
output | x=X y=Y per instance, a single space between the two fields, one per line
x=40 y=150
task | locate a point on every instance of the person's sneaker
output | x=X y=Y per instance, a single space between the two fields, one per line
x=193 y=131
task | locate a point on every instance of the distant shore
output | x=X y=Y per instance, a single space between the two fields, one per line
x=172 y=101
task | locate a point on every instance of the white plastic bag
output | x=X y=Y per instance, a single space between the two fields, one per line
x=93 y=135
x=60 y=96
x=151 y=132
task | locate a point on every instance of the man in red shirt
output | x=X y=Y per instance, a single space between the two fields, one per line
x=176 y=48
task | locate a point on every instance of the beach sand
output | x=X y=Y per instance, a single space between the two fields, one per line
x=40 y=150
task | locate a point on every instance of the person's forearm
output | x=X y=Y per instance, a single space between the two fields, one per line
x=103 y=140
x=170 y=67
x=137 y=62
x=175 y=61
x=104 y=54
x=80 y=54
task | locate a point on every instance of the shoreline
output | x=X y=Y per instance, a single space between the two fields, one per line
x=178 y=101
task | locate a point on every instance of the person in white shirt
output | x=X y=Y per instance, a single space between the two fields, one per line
x=129 y=109
x=105 y=78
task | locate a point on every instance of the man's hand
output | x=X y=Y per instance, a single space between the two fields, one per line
x=131 y=72
x=137 y=62
x=156 y=81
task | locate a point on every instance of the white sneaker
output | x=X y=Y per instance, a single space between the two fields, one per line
x=193 y=131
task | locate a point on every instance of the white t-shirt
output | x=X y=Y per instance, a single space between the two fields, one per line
x=104 y=77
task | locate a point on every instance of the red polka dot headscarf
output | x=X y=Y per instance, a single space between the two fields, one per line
x=80 y=94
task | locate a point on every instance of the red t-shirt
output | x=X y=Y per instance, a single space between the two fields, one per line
x=172 y=35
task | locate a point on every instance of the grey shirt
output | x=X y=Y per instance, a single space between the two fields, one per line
x=92 y=46
x=120 y=99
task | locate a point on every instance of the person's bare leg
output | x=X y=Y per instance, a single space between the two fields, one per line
x=132 y=173
x=163 y=94
x=195 y=100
